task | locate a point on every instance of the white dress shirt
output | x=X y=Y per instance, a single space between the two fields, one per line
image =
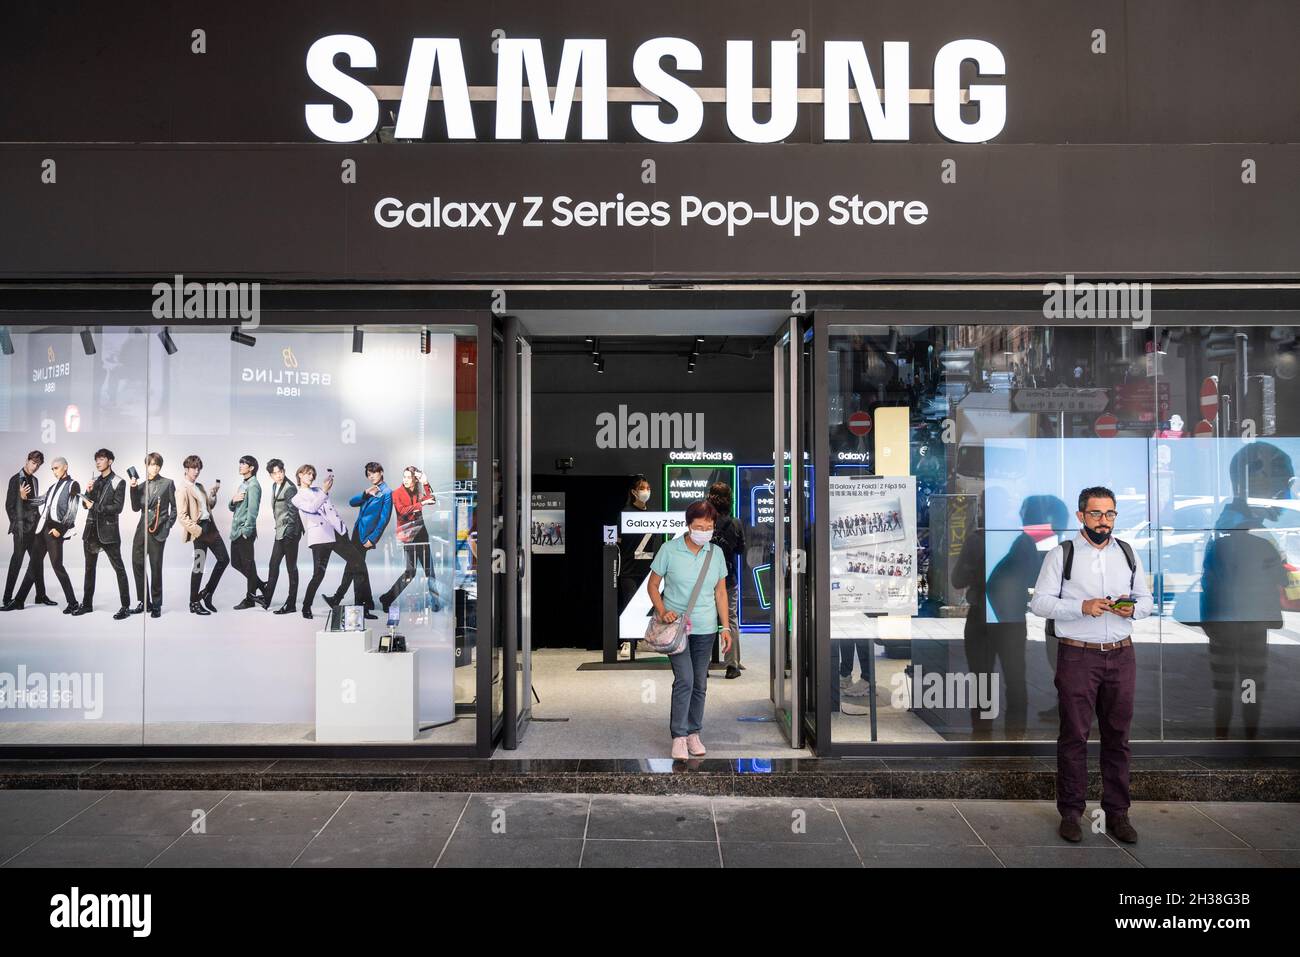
x=1095 y=573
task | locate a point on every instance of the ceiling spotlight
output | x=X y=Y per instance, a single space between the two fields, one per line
x=243 y=338
x=6 y=342
x=426 y=341
x=87 y=342
x=892 y=350
x=690 y=365
x=600 y=364
x=165 y=337
x=358 y=339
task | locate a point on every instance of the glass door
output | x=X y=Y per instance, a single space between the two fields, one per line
x=792 y=518
x=517 y=480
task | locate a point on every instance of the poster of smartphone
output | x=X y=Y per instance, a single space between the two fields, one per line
x=873 y=545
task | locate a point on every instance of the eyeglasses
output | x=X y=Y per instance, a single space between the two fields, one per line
x=1094 y=514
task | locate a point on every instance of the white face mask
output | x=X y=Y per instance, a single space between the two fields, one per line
x=701 y=538
x=643 y=496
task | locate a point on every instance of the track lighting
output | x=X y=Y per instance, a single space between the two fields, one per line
x=243 y=338
x=358 y=339
x=168 y=344
x=6 y=342
x=87 y=342
x=426 y=341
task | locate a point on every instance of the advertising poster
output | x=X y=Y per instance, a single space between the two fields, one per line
x=873 y=545
x=547 y=532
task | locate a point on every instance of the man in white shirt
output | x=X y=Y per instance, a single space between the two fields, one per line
x=1092 y=588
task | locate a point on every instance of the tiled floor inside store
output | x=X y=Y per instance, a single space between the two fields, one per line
x=426 y=829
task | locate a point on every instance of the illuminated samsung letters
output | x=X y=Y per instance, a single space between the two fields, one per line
x=332 y=62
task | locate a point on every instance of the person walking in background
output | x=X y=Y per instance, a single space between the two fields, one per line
x=23 y=512
x=1091 y=588
x=409 y=500
x=155 y=500
x=678 y=565
x=729 y=536
x=194 y=510
x=245 y=504
x=374 y=506
x=288 y=532
x=325 y=531
x=58 y=515
x=104 y=499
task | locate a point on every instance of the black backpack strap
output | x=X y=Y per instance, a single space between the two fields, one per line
x=1067 y=564
x=1127 y=549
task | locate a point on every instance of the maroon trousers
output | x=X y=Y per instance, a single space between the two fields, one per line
x=1102 y=683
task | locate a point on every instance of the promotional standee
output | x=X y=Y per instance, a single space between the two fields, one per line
x=306 y=475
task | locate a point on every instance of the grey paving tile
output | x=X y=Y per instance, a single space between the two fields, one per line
x=647 y=818
x=11 y=844
x=1289 y=858
x=511 y=852
x=872 y=823
x=382 y=813
x=233 y=850
x=159 y=813
x=1024 y=823
x=1216 y=857
x=754 y=854
x=1178 y=825
x=911 y=855
x=39 y=812
x=1064 y=856
x=273 y=813
x=778 y=820
x=401 y=849
x=549 y=816
x=121 y=851
x=1265 y=826
x=693 y=854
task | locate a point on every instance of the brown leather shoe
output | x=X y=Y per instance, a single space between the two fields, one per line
x=1070 y=830
x=1118 y=827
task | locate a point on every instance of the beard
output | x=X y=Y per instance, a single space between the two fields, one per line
x=1096 y=536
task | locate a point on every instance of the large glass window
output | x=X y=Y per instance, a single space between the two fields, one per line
x=280 y=510
x=957 y=457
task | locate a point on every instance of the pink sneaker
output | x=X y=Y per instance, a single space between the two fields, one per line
x=679 y=749
x=695 y=746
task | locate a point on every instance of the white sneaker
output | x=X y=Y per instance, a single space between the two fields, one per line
x=858 y=689
x=848 y=707
x=625 y=651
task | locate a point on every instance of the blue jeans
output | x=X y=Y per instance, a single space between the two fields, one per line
x=690 y=684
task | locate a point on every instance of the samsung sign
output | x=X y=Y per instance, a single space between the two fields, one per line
x=848 y=78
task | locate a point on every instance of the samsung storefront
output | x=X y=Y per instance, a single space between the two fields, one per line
x=324 y=307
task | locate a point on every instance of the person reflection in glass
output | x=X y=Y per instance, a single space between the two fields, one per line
x=1242 y=583
x=1001 y=641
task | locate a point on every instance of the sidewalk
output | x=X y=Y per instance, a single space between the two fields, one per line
x=54 y=828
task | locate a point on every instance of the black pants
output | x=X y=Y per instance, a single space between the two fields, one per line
x=284 y=550
x=93 y=546
x=244 y=560
x=209 y=540
x=357 y=575
x=416 y=550
x=347 y=550
x=42 y=545
x=146 y=543
x=23 y=544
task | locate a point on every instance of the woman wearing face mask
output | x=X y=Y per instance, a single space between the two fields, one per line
x=677 y=567
x=635 y=549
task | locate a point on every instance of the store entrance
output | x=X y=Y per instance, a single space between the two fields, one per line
x=613 y=424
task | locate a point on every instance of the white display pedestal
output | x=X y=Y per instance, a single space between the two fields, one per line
x=364 y=695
